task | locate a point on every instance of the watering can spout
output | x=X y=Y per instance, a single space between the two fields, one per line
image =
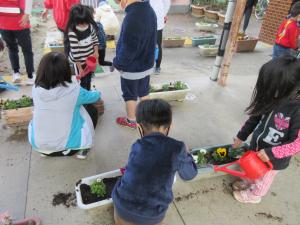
x=225 y=169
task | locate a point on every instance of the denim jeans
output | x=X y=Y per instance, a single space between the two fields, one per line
x=13 y=38
x=247 y=17
x=279 y=50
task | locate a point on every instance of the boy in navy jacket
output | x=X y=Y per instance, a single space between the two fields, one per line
x=144 y=193
x=135 y=55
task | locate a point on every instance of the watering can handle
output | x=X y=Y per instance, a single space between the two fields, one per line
x=270 y=165
x=225 y=169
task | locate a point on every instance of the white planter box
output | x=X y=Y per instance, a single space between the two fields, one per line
x=89 y=181
x=178 y=95
x=209 y=52
x=209 y=27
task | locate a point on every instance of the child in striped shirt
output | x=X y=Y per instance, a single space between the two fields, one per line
x=83 y=41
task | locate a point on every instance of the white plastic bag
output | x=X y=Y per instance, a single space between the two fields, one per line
x=105 y=15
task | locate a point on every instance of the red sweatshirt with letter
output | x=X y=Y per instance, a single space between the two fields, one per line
x=9 y=17
x=288 y=33
x=61 y=10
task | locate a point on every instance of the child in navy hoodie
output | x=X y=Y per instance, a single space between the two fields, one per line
x=144 y=193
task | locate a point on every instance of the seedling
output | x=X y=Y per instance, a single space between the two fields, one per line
x=98 y=188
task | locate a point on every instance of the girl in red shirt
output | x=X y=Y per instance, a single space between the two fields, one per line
x=288 y=34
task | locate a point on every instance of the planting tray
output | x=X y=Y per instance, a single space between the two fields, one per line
x=208 y=27
x=89 y=181
x=208 y=171
x=18 y=117
x=209 y=14
x=177 y=95
x=197 y=11
x=209 y=52
x=173 y=43
x=246 y=45
x=210 y=40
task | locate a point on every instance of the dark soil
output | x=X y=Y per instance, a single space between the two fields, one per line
x=66 y=199
x=269 y=216
x=192 y=195
x=88 y=197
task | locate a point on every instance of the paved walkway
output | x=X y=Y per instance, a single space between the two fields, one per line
x=28 y=182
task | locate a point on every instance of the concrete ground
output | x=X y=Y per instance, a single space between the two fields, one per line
x=213 y=115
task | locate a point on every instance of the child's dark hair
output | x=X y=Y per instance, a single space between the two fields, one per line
x=295 y=10
x=54 y=70
x=154 y=114
x=277 y=81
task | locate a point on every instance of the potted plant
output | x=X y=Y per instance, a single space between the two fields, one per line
x=198 y=7
x=223 y=7
x=211 y=11
x=173 y=42
x=207 y=27
x=95 y=191
x=209 y=39
x=6 y=219
x=206 y=157
x=175 y=91
x=245 y=43
x=208 y=50
x=17 y=112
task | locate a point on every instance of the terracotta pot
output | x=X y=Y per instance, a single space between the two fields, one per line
x=173 y=43
x=29 y=221
x=246 y=45
x=18 y=117
x=221 y=19
x=197 y=11
x=209 y=14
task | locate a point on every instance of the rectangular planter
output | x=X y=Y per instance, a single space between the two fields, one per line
x=207 y=27
x=89 y=181
x=29 y=221
x=18 y=117
x=221 y=20
x=178 y=95
x=208 y=171
x=208 y=52
x=173 y=43
x=246 y=45
x=213 y=15
x=197 y=11
x=210 y=40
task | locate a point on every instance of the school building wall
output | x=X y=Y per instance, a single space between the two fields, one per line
x=276 y=12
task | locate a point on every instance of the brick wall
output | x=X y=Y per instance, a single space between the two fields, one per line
x=276 y=12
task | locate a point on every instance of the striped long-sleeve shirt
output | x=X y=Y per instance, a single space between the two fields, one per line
x=92 y=3
x=82 y=44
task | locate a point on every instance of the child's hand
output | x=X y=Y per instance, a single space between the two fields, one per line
x=236 y=143
x=263 y=156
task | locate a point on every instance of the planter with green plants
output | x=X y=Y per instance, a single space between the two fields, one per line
x=198 y=7
x=174 y=91
x=173 y=42
x=208 y=50
x=215 y=7
x=204 y=40
x=207 y=157
x=17 y=112
x=95 y=191
x=207 y=27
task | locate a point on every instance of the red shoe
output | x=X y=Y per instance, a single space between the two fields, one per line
x=122 y=121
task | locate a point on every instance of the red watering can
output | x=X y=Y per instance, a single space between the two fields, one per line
x=91 y=65
x=252 y=167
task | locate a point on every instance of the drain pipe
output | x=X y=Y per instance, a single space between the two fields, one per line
x=224 y=38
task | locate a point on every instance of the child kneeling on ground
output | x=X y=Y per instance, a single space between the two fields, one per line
x=274 y=124
x=64 y=118
x=144 y=193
